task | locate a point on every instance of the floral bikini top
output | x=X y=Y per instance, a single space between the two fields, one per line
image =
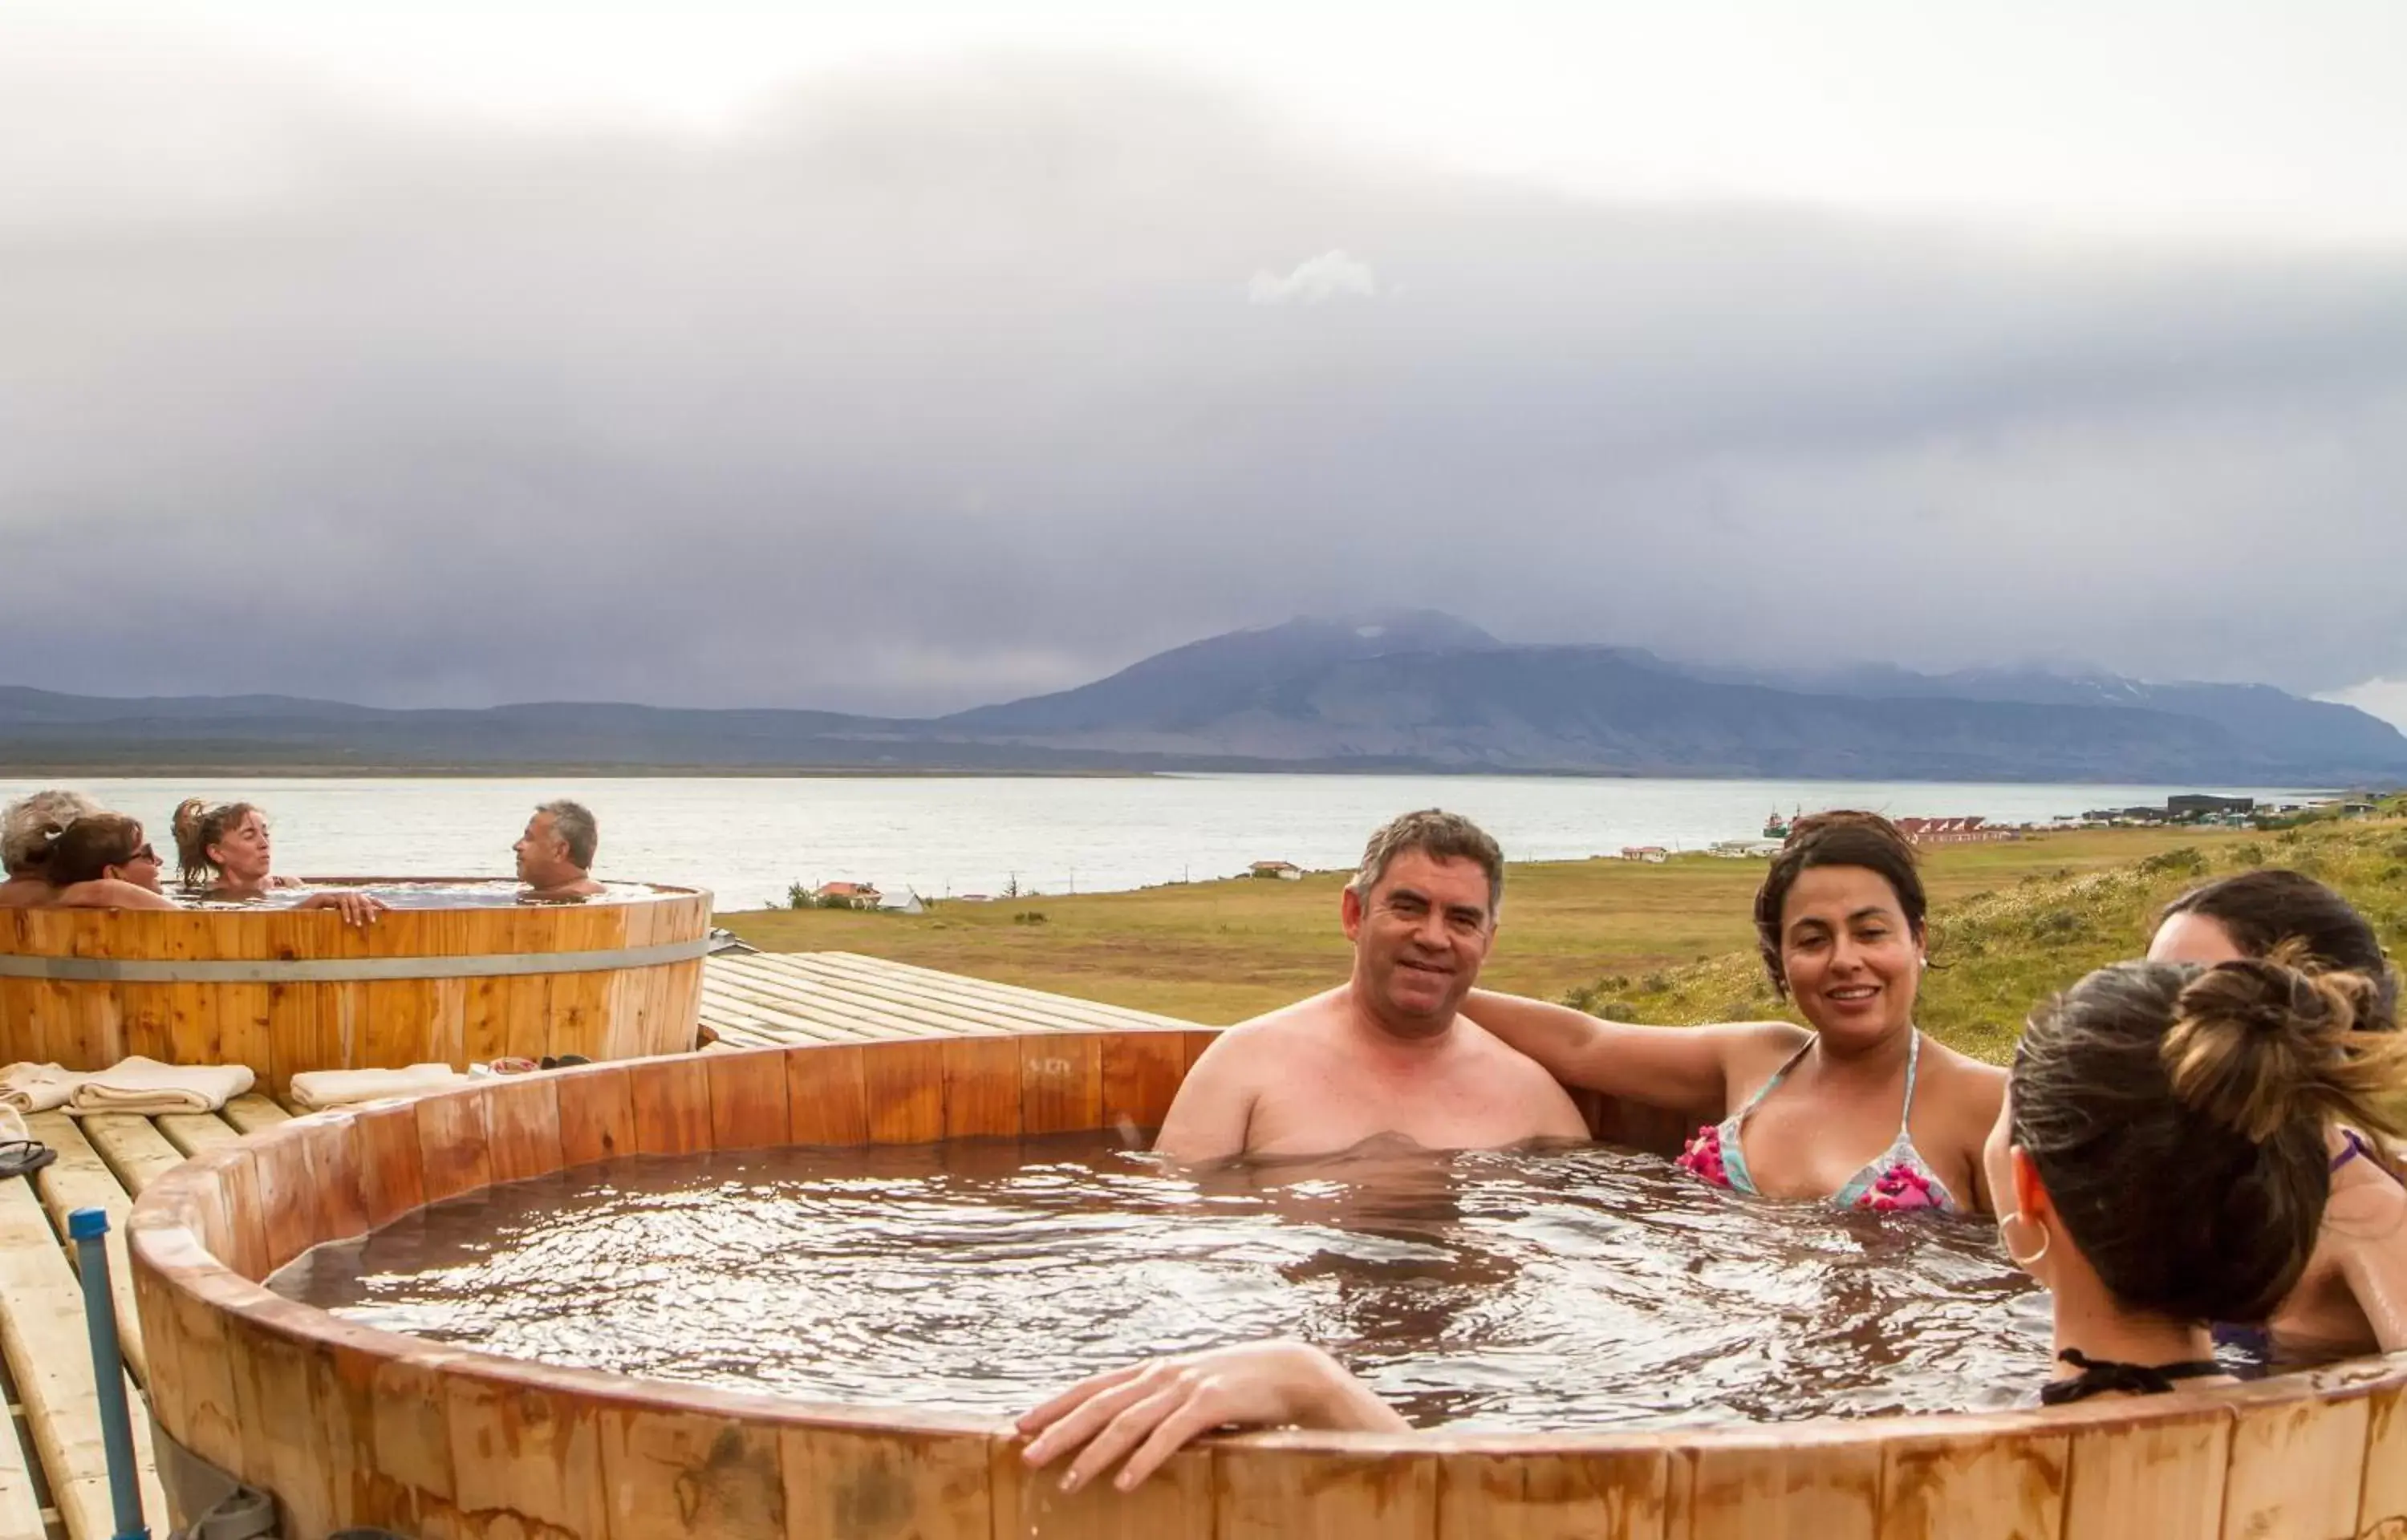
x=1898 y=1177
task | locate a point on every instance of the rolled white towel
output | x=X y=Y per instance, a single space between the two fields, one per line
x=38 y=1087
x=146 y=1086
x=321 y=1088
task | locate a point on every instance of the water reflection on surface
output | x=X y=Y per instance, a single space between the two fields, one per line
x=1578 y=1288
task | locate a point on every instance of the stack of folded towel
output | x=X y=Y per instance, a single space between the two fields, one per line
x=322 y=1088
x=137 y=1085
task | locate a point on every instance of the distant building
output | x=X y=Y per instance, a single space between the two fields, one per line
x=1655 y=855
x=1286 y=872
x=849 y=894
x=904 y=902
x=1967 y=830
x=2200 y=805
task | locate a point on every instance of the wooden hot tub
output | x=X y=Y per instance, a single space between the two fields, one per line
x=287 y=990
x=349 y=1425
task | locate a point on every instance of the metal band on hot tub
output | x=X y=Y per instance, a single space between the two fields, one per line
x=344 y=969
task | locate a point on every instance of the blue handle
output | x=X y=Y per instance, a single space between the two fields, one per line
x=89 y=1229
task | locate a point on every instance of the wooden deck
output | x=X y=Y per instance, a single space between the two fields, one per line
x=54 y=1478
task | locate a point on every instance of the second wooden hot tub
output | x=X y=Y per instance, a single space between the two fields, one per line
x=285 y=990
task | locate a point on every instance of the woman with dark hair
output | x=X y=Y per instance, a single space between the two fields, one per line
x=2352 y=1296
x=2160 y=1163
x=1860 y=1109
x=2162 y=1157
x=102 y=861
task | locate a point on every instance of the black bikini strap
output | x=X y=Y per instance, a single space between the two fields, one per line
x=2106 y=1376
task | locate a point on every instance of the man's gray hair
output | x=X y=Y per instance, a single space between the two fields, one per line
x=32 y=822
x=1441 y=835
x=573 y=823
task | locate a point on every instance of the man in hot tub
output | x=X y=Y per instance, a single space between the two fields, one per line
x=1385 y=1053
x=556 y=852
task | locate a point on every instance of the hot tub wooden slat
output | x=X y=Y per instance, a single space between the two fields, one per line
x=1991 y=1479
x=672 y=1106
x=2162 y=1477
x=2297 y=1464
x=827 y=1097
x=748 y=1107
x=1811 y=1487
x=77 y=1178
x=2384 y=1499
x=870 y=1484
x=902 y=1085
x=42 y=1332
x=597 y=1114
x=525 y=1460
x=523 y=1127
x=1509 y=1494
x=1175 y=1503
x=691 y=1474
x=1263 y=1490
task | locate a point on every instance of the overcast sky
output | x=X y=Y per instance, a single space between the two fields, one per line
x=894 y=359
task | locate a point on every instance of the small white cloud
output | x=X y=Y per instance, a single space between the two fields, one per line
x=2384 y=697
x=1333 y=275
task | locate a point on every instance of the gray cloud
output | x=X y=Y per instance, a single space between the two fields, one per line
x=945 y=386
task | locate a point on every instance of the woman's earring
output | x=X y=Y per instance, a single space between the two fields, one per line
x=2007 y=1241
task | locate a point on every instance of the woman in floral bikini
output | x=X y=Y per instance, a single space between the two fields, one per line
x=1862 y=1111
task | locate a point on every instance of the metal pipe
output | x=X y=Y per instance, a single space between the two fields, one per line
x=89 y=1229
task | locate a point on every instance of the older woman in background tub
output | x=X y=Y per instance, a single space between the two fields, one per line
x=28 y=828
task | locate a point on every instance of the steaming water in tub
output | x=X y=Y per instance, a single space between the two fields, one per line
x=499 y=892
x=1519 y=1289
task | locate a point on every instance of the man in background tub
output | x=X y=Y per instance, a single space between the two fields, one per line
x=1385 y=1053
x=556 y=852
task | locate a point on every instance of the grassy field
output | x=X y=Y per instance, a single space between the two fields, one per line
x=1670 y=942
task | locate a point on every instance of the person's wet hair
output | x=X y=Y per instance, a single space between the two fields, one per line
x=198 y=825
x=2268 y=909
x=33 y=823
x=2178 y=1117
x=1843 y=838
x=1442 y=837
x=88 y=847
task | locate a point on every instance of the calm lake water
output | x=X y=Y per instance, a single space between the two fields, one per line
x=747 y=838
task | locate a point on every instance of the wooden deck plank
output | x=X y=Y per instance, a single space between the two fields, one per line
x=136 y=1150
x=1095 y=1010
x=20 y=1506
x=724 y=1011
x=79 y=1179
x=196 y=1132
x=845 y=1020
x=252 y=1111
x=42 y=1332
x=799 y=978
x=865 y=1017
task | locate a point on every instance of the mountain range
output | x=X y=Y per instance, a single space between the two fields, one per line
x=1411 y=691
